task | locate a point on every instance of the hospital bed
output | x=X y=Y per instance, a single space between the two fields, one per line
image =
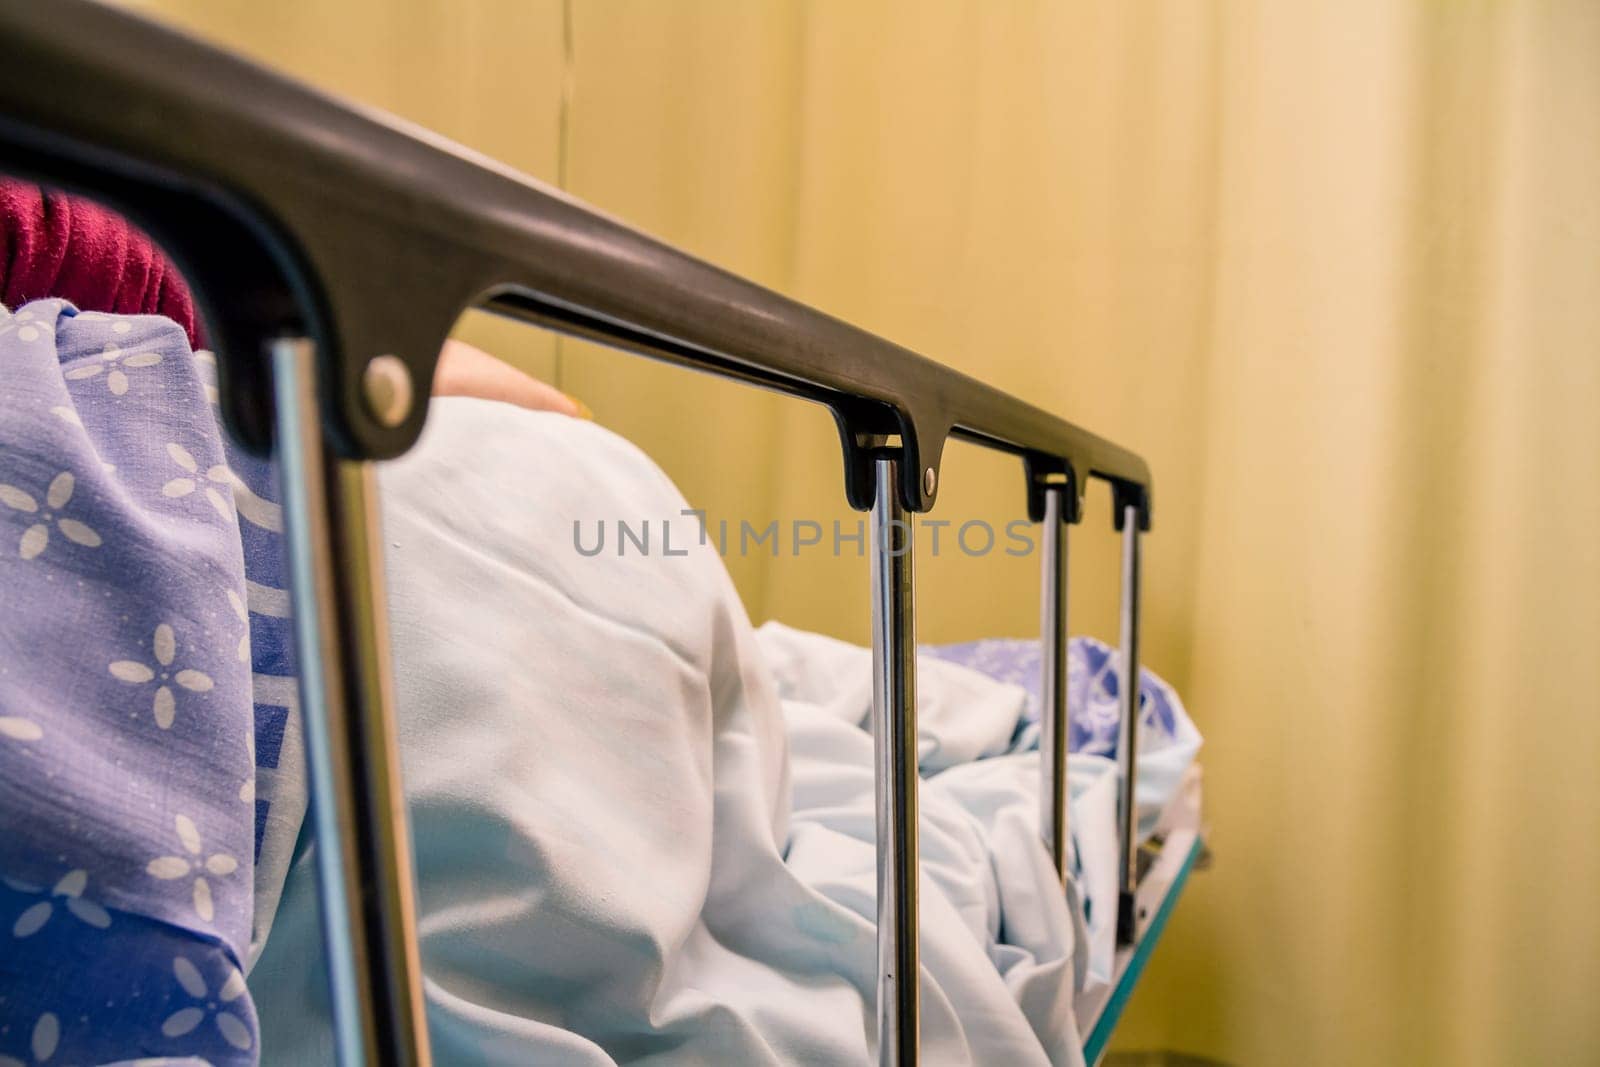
x=333 y=249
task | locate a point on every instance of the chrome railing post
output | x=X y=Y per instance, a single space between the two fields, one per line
x=1053 y=721
x=358 y=807
x=1128 y=735
x=894 y=740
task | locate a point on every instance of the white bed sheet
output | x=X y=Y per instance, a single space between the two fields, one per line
x=967 y=751
x=630 y=847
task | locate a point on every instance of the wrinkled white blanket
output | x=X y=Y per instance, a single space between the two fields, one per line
x=966 y=742
x=644 y=833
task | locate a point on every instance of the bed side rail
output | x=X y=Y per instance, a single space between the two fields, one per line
x=332 y=250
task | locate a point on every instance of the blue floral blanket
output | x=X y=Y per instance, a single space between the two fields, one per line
x=129 y=732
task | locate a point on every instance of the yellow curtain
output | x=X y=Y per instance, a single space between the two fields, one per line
x=1333 y=268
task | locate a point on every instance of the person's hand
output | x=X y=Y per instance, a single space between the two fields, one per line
x=467 y=371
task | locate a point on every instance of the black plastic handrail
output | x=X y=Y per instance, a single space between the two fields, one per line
x=295 y=213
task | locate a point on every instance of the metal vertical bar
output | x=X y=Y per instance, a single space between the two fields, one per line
x=358 y=807
x=1053 y=718
x=894 y=741
x=1128 y=730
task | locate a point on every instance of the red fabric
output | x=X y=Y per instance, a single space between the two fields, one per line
x=56 y=245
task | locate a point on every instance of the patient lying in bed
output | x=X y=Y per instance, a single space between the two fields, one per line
x=628 y=846
x=644 y=830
